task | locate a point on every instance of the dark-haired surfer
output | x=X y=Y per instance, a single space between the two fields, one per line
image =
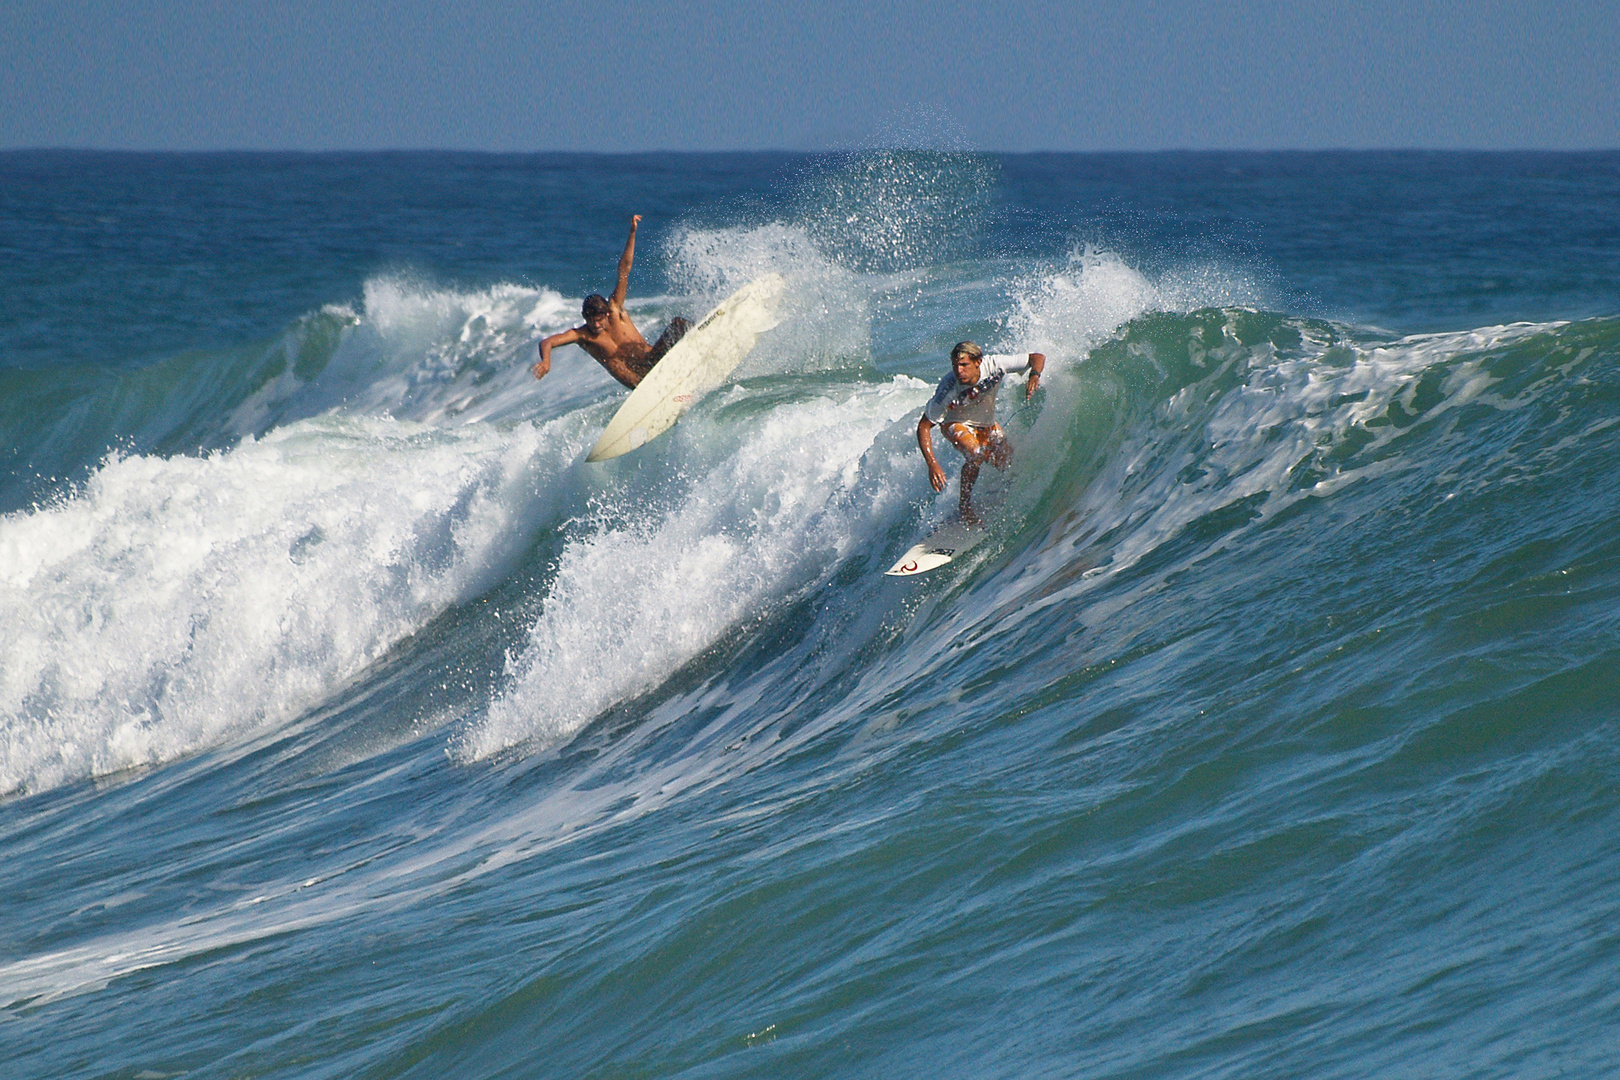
x=609 y=335
x=965 y=408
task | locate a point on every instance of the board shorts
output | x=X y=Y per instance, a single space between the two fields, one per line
x=986 y=433
x=676 y=330
x=991 y=440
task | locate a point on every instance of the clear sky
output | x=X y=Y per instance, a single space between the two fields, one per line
x=633 y=75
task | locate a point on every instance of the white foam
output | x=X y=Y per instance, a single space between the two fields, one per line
x=172 y=603
x=766 y=516
x=1068 y=311
x=416 y=351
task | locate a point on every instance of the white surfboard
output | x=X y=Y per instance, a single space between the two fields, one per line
x=698 y=363
x=942 y=545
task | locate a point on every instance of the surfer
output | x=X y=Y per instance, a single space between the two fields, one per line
x=965 y=408
x=609 y=335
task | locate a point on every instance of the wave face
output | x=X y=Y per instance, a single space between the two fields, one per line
x=350 y=724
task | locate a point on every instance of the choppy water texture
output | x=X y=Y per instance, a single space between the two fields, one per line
x=351 y=726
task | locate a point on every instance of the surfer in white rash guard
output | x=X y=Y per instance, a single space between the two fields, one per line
x=609 y=335
x=964 y=407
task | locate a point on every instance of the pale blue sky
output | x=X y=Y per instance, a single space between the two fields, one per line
x=632 y=75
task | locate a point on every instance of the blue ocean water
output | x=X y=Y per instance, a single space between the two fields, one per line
x=352 y=726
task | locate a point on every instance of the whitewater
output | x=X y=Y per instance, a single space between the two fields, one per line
x=352 y=725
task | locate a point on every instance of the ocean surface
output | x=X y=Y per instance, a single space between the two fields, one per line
x=352 y=726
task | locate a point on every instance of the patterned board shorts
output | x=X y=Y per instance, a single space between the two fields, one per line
x=676 y=330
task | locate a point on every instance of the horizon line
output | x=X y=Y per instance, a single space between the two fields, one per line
x=1162 y=151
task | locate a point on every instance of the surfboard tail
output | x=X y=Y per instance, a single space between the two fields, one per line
x=921 y=559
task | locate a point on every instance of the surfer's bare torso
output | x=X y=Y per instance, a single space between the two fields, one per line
x=612 y=340
x=608 y=334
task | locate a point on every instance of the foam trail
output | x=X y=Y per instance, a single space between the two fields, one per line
x=631 y=603
x=173 y=602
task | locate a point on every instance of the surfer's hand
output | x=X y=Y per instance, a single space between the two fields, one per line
x=936 y=476
x=540 y=369
x=1032 y=384
x=635 y=219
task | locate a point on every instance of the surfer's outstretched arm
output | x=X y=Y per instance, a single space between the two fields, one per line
x=925 y=442
x=567 y=337
x=629 y=256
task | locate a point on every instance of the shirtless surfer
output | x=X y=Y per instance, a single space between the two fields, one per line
x=609 y=335
x=965 y=408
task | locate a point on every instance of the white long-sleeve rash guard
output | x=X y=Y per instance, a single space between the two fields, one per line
x=957 y=403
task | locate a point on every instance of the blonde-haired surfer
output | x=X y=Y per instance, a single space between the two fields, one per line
x=609 y=335
x=965 y=408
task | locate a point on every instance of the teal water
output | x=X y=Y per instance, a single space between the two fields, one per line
x=352 y=726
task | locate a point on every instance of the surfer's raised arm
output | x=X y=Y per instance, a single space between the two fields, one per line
x=629 y=256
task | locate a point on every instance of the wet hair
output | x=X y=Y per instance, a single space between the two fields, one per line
x=966 y=348
x=594 y=305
